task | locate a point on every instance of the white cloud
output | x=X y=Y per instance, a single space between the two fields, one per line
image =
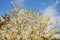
x=57 y=2
x=50 y=11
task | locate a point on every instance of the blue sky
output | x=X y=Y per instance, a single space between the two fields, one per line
x=4 y=6
x=38 y=5
x=48 y=7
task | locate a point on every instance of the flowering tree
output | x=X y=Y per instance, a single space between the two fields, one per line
x=23 y=24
